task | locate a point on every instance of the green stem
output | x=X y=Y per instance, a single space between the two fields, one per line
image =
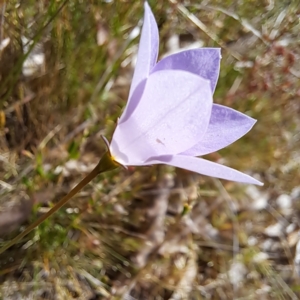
x=105 y=164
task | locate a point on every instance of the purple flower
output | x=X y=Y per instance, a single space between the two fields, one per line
x=170 y=117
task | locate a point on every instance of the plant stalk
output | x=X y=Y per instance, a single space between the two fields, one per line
x=105 y=164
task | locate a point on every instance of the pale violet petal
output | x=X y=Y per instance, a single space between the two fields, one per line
x=146 y=59
x=204 y=167
x=133 y=102
x=172 y=116
x=226 y=125
x=204 y=62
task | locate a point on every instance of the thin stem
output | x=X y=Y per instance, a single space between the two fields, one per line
x=105 y=164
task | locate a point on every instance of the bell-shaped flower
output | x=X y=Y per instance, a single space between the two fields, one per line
x=170 y=117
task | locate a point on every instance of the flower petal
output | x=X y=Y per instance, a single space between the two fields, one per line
x=204 y=167
x=204 y=62
x=146 y=59
x=172 y=116
x=226 y=125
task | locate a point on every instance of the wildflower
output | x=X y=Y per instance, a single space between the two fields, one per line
x=170 y=117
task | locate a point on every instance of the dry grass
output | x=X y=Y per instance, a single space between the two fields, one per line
x=145 y=233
